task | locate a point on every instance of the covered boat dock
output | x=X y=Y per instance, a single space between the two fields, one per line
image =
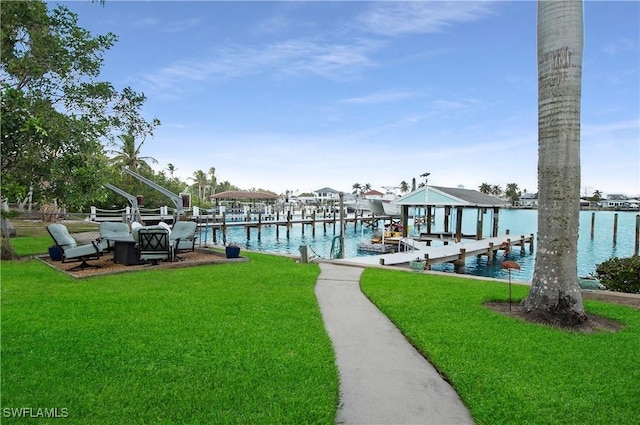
x=454 y=201
x=450 y=199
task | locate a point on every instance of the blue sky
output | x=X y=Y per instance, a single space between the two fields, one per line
x=304 y=95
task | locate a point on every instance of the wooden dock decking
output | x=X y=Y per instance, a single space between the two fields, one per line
x=453 y=252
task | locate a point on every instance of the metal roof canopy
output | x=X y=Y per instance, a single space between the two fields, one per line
x=244 y=195
x=438 y=196
x=449 y=197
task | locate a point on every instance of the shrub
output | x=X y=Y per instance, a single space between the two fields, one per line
x=620 y=274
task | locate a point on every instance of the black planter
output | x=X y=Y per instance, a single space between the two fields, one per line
x=55 y=254
x=232 y=251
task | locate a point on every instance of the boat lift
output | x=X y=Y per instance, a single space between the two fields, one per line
x=177 y=200
x=135 y=209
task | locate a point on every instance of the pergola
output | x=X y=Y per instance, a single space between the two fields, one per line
x=430 y=197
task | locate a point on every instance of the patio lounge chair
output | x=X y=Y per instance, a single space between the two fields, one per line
x=70 y=249
x=183 y=236
x=111 y=230
x=153 y=244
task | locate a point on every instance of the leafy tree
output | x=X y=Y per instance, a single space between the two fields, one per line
x=226 y=186
x=555 y=292
x=56 y=114
x=357 y=188
x=496 y=190
x=404 y=186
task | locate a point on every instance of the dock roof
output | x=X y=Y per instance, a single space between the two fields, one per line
x=450 y=196
x=232 y=194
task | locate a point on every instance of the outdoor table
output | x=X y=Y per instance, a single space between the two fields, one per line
x=124 y=250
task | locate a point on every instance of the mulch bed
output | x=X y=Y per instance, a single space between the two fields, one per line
x=594 y=323
x=107 y=266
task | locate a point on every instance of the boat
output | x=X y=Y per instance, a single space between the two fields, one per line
x=375 y=206
x=391 y=209
x=359 y=204
x=382 y=207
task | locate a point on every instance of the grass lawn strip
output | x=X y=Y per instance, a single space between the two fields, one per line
x=236 y=343
x=507 y=370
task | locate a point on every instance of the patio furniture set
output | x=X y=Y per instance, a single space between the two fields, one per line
x=137 y=244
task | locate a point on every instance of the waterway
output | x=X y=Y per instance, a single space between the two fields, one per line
x=591 y=250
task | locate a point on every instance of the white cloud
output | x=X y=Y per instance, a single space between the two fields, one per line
x=392 y=18
x=287 y=58
x=382 y=97
x=623 y=45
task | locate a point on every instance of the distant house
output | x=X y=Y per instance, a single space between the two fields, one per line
x=527 y=200
x=326 y=194
x=373 y=194
x=614 y=200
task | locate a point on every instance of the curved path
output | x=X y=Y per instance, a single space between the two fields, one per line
x=383 y=379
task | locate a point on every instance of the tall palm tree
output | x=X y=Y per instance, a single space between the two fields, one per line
x=129 y=155
x=213 y=180
x=357 y=188
x=485 y=188
x=200 y=182
x=404 y=186
x=555 y=293
x=172 y=169
x=512 y=192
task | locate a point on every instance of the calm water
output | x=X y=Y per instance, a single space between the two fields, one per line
x=591 y=251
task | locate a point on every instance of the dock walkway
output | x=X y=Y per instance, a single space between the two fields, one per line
x=445 y=253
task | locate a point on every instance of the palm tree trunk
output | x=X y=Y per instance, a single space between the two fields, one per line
x=555 y=293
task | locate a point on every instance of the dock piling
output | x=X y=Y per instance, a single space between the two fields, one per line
x=637 y=245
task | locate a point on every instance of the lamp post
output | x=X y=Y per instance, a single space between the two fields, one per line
x=510 y=265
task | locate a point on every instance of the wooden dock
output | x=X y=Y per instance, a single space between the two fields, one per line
x=451 y=253
x=256 y=222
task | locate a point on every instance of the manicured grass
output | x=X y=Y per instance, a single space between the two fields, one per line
x=234 y=343
x=33 y=238
x=32 y=245
x=507 y=370
x=244 y=343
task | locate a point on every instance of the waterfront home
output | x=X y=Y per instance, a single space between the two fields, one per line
x=326 y=194
x=619 y=202
x=527 y=200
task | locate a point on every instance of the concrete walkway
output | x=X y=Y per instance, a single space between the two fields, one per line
x=383 y=379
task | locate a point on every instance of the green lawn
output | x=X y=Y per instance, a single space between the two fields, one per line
x=244 y=343
x=508 y=370
x=235 y=343
x=31 y=245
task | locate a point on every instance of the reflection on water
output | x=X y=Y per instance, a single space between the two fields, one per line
x=591 y=251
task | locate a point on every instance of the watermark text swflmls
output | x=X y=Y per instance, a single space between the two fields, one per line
x=35 y=412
